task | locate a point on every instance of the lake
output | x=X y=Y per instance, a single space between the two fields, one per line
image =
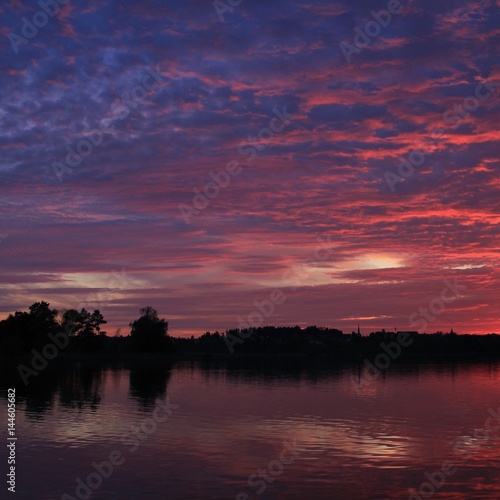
x=273 y=429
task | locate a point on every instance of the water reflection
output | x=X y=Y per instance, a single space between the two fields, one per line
x=81 y=387
x=76 y=386
x=231 y=421
x=148 y=382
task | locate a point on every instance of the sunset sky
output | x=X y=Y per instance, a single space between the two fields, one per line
x=359 y=176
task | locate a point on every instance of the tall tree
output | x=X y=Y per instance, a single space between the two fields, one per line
x=96 y=320
x=149 y=332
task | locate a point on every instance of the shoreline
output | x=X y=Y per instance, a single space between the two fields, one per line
x=324 y=358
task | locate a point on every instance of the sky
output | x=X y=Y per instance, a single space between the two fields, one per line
x=244 y=163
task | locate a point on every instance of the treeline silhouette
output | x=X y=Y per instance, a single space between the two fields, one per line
x=333 y=343
x=23 y=332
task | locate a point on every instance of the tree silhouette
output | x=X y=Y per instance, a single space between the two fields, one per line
x=83 y=323
x=96 y=320
x=42 y=320
x=23 y=331
x=149 y=332
x=16 y=333
x=72 y=321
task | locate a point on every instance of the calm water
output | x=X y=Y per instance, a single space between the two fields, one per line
x=224 y=425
